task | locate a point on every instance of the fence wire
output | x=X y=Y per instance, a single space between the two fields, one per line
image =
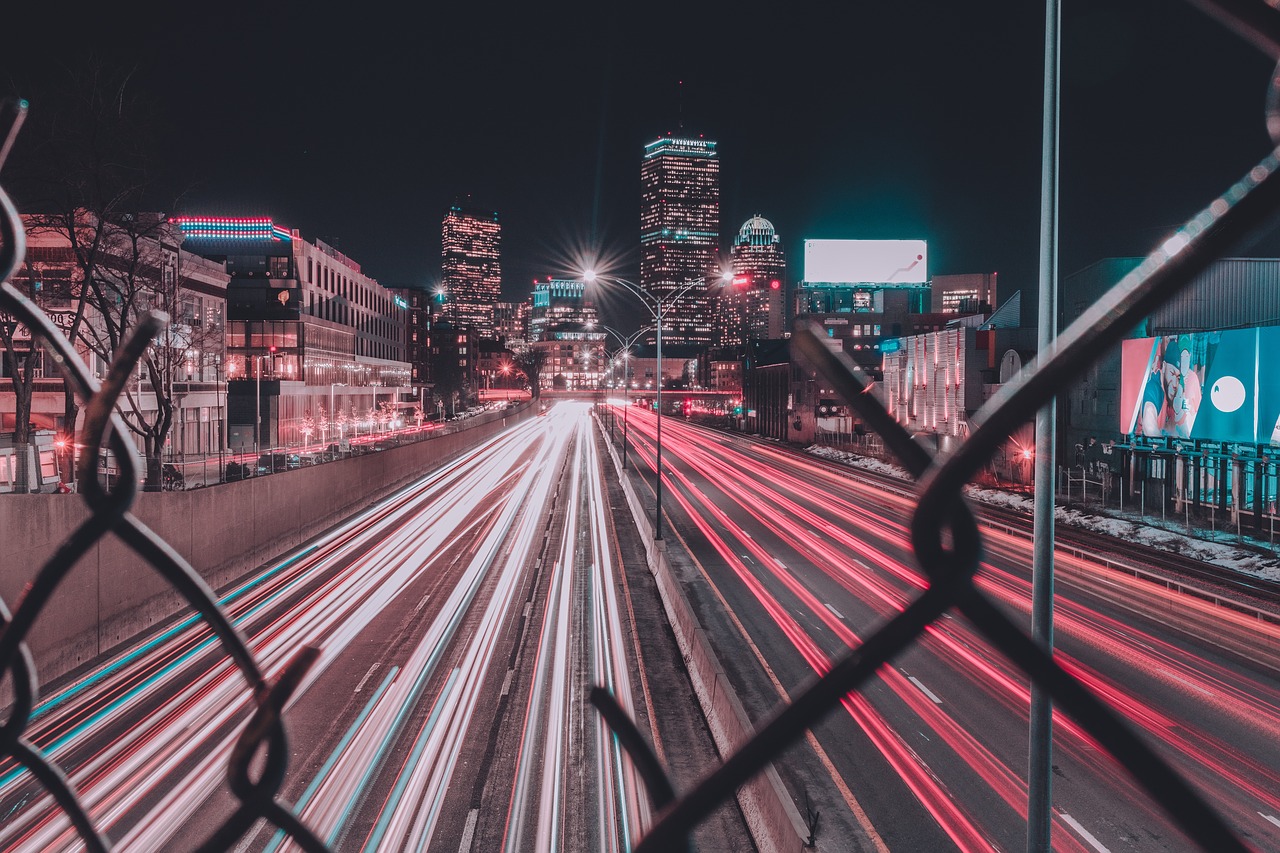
x=262 y=743
x=946 y=539
x=944 y=534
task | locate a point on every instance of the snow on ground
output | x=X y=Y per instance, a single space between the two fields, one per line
x=1130 y=526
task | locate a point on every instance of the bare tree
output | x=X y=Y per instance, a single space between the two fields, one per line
x=84 y=165
x=530 y=361
x=21 y=354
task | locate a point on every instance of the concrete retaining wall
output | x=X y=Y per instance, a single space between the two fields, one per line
x=223 y=531
x=771 y=815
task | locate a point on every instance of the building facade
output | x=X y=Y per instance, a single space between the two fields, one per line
x=560 y=304
x=680 y=233
x=419 y=305
x=754 y=308
x=511 y=323
x=142 y=268
x=971 y=293
x=454 y=359
x=471 y=270
x=315 y=348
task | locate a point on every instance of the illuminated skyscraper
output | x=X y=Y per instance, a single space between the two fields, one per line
x=561 y=305
x=511 y=323
x=471 y=274
x=755 y=307
x=680 y=232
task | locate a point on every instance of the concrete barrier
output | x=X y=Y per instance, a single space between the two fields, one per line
x=112 y=595
x=771 y=815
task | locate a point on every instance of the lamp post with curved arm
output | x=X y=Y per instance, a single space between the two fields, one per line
x=656 y=306
x=626 y=342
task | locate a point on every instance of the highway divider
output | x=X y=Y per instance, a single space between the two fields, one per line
x=771 y=815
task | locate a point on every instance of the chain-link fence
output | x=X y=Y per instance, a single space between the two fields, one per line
x=944 y=534
x=262 y=743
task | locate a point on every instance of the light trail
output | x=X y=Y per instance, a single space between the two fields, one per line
x=583 y=577
x=410 y=528
x=846 y=530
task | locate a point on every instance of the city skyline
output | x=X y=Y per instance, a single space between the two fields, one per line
x=919 y=121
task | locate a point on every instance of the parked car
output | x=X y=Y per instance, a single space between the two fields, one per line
x=173 y=479
x=274 y=463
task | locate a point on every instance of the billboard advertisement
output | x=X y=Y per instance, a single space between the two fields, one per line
x=866 y=261
x=1202 y=385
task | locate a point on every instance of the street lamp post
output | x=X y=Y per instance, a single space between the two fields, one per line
x=627 y=342
x=506 y=380
x=655 y=306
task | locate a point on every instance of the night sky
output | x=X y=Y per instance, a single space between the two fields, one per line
x=904 y=119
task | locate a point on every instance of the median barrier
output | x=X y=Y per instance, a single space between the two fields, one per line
x=771 y=815
x=112 y=595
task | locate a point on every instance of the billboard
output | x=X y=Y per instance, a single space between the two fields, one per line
x=1202 y=385
x=866 y=261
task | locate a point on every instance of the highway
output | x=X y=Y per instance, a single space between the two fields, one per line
x=460 y=624
x=792 y=561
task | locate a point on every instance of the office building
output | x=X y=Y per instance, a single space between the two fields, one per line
x=755 y=306
x=558 y=305
x=511 y=323
x=563 y=325
x=972 y=293
x=680 y=233
x=315 y=347
x=471 y=273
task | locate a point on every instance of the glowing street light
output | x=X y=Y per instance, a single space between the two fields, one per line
x=505 y=369
x=657 y=306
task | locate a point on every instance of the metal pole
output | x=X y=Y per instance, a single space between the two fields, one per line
x=626 y=396
x=657 y=511
x=257 y=412
x=222 y=423
x=1040 y=735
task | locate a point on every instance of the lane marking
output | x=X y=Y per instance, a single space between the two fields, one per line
x=421 y=604
x=506 y=682
x=1084 y=833
x=1195 y=687
x=925 y=690
x=1271 y=818
x=469 y=831
x=367 y=676
x=747 y=558
x=838 y=614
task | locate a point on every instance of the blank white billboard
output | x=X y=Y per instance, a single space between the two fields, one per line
x=873 y=261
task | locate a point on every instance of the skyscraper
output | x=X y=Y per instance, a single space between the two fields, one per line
x=680 y=232
x=471 y=274
x=755 y=307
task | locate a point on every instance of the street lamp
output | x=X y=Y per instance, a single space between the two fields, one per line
x=627 y=341
x=656 y=306
x=505 y=369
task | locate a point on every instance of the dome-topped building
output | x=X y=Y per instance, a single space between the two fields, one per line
x=755 y=307
x=756 y=231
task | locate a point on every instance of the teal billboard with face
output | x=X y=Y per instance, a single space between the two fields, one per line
x=1221 y=386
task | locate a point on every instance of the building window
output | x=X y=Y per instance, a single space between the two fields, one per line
x=278 y=266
